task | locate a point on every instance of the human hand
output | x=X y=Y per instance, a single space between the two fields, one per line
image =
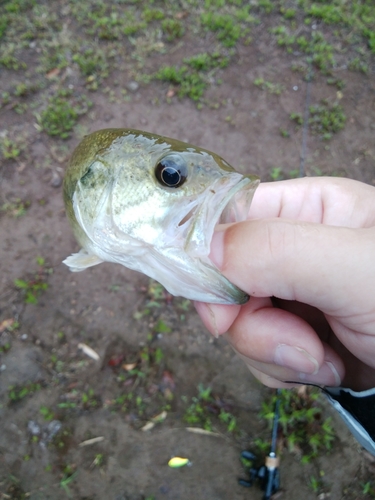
x=306 y=257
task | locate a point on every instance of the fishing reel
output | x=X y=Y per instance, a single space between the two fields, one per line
x=268 y=475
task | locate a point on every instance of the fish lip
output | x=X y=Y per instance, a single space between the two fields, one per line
x=220 y=203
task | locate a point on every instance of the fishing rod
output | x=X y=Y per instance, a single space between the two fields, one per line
x=268 y=474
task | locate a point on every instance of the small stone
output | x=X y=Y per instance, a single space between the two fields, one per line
x=295 y=87
x=132 y=86
x=33 y=428
x=56 y=180
x=3 y=367
x=53 y=428
x=24 y=336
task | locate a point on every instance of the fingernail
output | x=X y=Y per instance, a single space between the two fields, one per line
x=326 y=375
x=217 y=249
x=213 y=321
x=295 y=358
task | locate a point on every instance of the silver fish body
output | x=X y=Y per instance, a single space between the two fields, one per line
x=151 y=204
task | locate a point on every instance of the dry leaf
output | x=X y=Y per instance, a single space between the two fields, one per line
x=129 y=366
x=7 y=323
x=89 y=351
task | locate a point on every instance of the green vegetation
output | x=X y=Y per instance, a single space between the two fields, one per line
x=225 y=27
x=368 y=489
x=32 y=288
x=192 y=78
x=11 y=489
x=326 y=119
x=11 y=148
x=272 y=88
x=62 y=113
x=303 y=429
x=46 y=413
x=207 y=411
x=105 y=37
x=69 y=475
x=18 y=392
x=5 y=348
x=156 y=296
x=316 y=483
x=172 y=29
x=15 y=208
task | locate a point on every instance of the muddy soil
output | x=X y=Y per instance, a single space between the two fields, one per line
x=70 y=398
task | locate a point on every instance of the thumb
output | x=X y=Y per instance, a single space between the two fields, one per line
x=324 y=266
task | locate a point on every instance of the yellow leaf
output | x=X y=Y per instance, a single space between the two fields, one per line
x=176 y=462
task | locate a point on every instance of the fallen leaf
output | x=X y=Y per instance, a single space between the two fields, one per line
x=160 y=418
x=116 y=360
x=176 y=462
x=148 y=426
x=89 y=351
x=198 y=430
x=88 y=442
x=54 y=72
x=129 y=366
x=7 y=323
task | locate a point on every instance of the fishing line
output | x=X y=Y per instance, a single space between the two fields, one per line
x=269 y=474
x=306 y=117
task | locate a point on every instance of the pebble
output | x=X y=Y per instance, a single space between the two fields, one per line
x=53 y=428
x=33 y=427
x=132 y=86
x=56 y=180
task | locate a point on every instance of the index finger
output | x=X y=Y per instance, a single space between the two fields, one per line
x=322 y=200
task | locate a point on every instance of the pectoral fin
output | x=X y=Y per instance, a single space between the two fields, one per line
x=81 y=261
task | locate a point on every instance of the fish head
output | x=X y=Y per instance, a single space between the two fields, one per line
x=151 y=204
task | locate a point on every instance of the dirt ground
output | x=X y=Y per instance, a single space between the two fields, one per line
x=61 y=397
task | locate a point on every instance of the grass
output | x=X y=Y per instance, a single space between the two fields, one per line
x=208 y=411
x=16 y=207
x=11 y=148
x=108 y=36
x=54 y=53
x=32 y=288
x=62 y=112
x=303 y=429
x=326 y=119
x=272 y=88
x=192 y=78
x=17 y=393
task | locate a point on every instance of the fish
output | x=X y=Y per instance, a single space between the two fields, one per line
x=151 y=203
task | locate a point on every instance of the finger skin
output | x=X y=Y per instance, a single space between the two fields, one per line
x=311 y=263
x=217 y=318
x=318 y=251
x=282 y=346
x=322 y=200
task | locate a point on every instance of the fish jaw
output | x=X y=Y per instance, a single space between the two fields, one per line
x=179 y=257
x=183 y=265
x=227 y=201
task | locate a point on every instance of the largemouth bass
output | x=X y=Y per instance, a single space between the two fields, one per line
x=151 y=204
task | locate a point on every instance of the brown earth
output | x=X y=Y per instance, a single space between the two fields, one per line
x=105 y=307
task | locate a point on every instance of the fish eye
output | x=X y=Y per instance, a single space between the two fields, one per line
x=171 y=171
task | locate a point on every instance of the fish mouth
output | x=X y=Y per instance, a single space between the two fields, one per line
x=227 y=201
